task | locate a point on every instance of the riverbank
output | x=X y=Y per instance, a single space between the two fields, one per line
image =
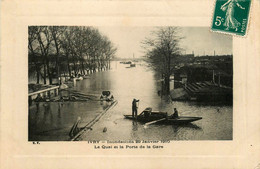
x=52 y=93
x=51 y=116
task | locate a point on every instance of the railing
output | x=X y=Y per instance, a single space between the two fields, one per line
x=44 y=90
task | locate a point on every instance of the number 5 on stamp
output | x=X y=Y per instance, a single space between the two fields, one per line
x=231 y=16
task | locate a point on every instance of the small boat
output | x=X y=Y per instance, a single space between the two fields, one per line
x=63 y=86
x=132 y=65
x=128 y=62
x=106 y=96
x=162 y=117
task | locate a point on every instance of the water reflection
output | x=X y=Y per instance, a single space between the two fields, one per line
x=188 y=126
x=59 y=114
x=141 y=83
x=134 y=125
x=125 y=84
x=48 y=117
x=37 y=107
x=134 y=133
x=59 y=109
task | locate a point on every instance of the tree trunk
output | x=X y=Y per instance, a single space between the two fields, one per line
x=44 y=74
x=37 y=72
x=38 y=76
x=167 y=84
x=83 y=68
x=54 y=35
x=37 y=68
x=68 y=65
x=49 y=73
x=75 y=71
x=58 y=70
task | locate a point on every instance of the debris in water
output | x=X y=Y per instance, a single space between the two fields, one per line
x=75 y=129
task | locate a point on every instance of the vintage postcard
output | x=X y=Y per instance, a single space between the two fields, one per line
x=129 y=84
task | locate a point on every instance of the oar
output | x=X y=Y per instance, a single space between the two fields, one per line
x=185 y=112
x=155 y=121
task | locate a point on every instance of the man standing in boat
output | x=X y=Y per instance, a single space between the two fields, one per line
x=134 y=108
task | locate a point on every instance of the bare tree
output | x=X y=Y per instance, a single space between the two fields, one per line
x=33 y=47
x=161 y=48
x=55 y=48
x=44 y=40
x=66 y=47
x=56 y=33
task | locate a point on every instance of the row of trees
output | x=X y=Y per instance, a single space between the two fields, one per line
x=57 y=50
x=161 y=48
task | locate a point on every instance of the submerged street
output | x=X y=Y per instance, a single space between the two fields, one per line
x=53 y=120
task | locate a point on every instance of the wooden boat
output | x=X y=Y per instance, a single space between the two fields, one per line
x=128 y=62
x=148 y=116
x=106 y=96
x=132 y=65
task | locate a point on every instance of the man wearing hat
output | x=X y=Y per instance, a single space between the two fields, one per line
x=134 y=107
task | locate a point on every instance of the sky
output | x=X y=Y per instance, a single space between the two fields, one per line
x=198 y=39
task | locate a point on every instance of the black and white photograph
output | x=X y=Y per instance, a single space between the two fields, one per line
x=129 y=83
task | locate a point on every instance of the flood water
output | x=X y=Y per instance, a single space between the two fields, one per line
x=52 y=121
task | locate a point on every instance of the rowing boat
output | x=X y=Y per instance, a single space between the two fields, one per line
x=148 y=116
x=169 y=120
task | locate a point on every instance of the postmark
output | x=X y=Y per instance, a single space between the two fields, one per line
x=231 y=16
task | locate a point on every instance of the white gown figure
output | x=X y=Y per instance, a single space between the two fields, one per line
x=230 y=20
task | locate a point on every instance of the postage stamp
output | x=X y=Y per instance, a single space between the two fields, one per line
x=231 y=16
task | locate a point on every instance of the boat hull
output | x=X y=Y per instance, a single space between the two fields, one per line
x=169 y=120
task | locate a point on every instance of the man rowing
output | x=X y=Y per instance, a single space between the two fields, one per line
x=175 y=115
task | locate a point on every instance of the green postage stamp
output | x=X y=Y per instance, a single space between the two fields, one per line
x=231 y=16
